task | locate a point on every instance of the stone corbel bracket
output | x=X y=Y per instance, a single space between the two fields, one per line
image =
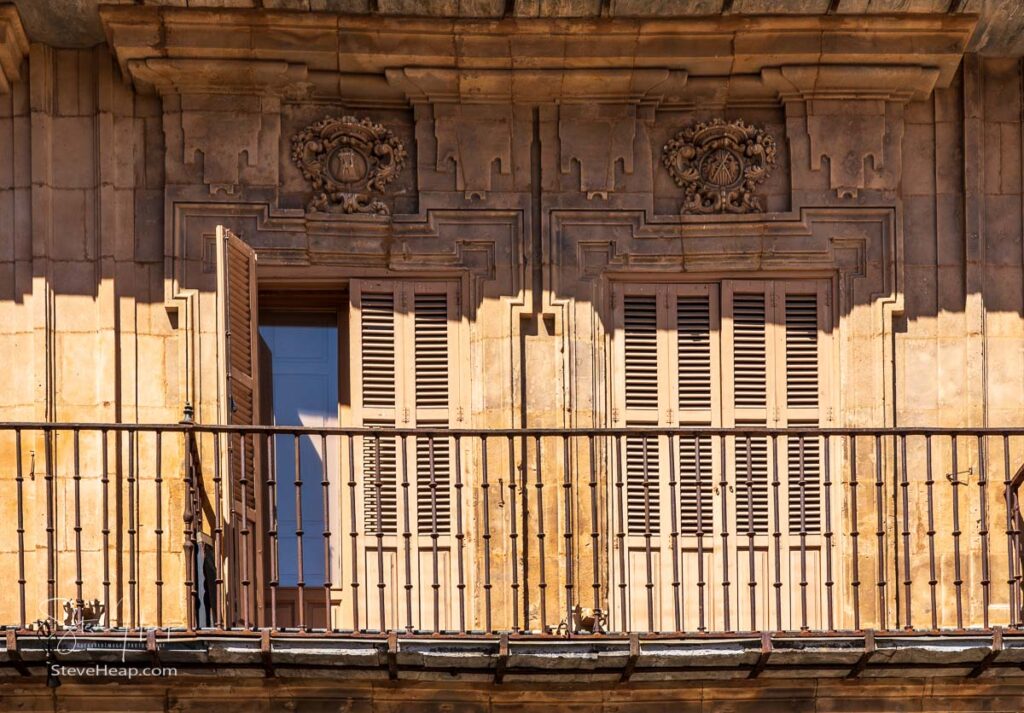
x=474 y=116
x=222 y=110
x=13 y=47
x=848 y=114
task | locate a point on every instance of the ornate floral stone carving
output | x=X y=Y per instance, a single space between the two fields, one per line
x=719 y=164
x=347 y=159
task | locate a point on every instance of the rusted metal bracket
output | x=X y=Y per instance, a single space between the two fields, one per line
x=634 y=654
x=393 y=655
x=766 y=652
x=502 y=663
x=266 y=653
x=14 y=654
x=151 y=649
x=869 y=651
x=992 y=655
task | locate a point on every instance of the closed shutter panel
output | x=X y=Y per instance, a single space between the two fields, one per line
x=693 y=350
x=751 y=485
x=802 y=395
x=802 y=385
x=433 y=494
x=750 y=394
x=693 y=342
x=378 y=349
x=696 y=486
x=380 y=467
x=431 y=350
x=431 y=355
x=640 y=334
x=404 y=378
x=378 y=387
x=433 y=467
x=643 y=476
x=642 y=375
x=749 y=351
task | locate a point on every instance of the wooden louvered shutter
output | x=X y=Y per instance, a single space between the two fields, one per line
x=237 y=313
x=695 y=346
x=642 y=399
x=749 y=350
x=747 y=356
x=404 y=338
x=432 y=398
x=432 y=320
x=644 y=387
x=801 y=385
x=376 y=383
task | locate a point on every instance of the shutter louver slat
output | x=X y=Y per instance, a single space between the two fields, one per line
x=811 y=483
x=801 y=351
x=693 y=342
x=641 y=351
x=642 y=502
x=749 y=351
x=378 y=350
x=695 y=486
x=387 y=477
x=431 y=335
x=441 y=482
x=751 y=484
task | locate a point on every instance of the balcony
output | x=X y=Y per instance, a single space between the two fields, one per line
x=630 y=552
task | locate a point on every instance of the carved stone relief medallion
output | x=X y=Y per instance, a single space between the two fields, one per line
x=346 y=160
x=718 y=165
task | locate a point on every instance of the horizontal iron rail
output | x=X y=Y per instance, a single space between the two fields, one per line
x=559 y=532
x=515 y=432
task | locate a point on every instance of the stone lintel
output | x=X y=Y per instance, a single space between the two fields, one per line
x=13 y=46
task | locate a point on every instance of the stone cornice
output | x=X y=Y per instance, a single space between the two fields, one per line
x=13 y=47
x=520 y=86
x=870 y=82
x=370 y=46
x=226 y=76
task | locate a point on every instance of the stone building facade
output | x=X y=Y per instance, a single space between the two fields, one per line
x=525 y=215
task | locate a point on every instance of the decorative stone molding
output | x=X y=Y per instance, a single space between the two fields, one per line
x=13 y=47
x=345 y=159
x=475 y=115
x=718 y=165
x=474 y=136
x=848 y=114
x=597 y=137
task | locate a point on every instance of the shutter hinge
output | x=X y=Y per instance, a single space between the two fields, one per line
x=615 y=415
x=405 y=415
x=458 y=416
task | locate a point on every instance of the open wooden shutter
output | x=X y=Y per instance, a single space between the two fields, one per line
x=237 y=313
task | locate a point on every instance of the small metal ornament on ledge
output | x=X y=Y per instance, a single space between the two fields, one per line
x=346 y=160
x=719 y=165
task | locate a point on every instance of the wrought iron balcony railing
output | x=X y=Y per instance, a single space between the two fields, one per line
x=688 y=531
